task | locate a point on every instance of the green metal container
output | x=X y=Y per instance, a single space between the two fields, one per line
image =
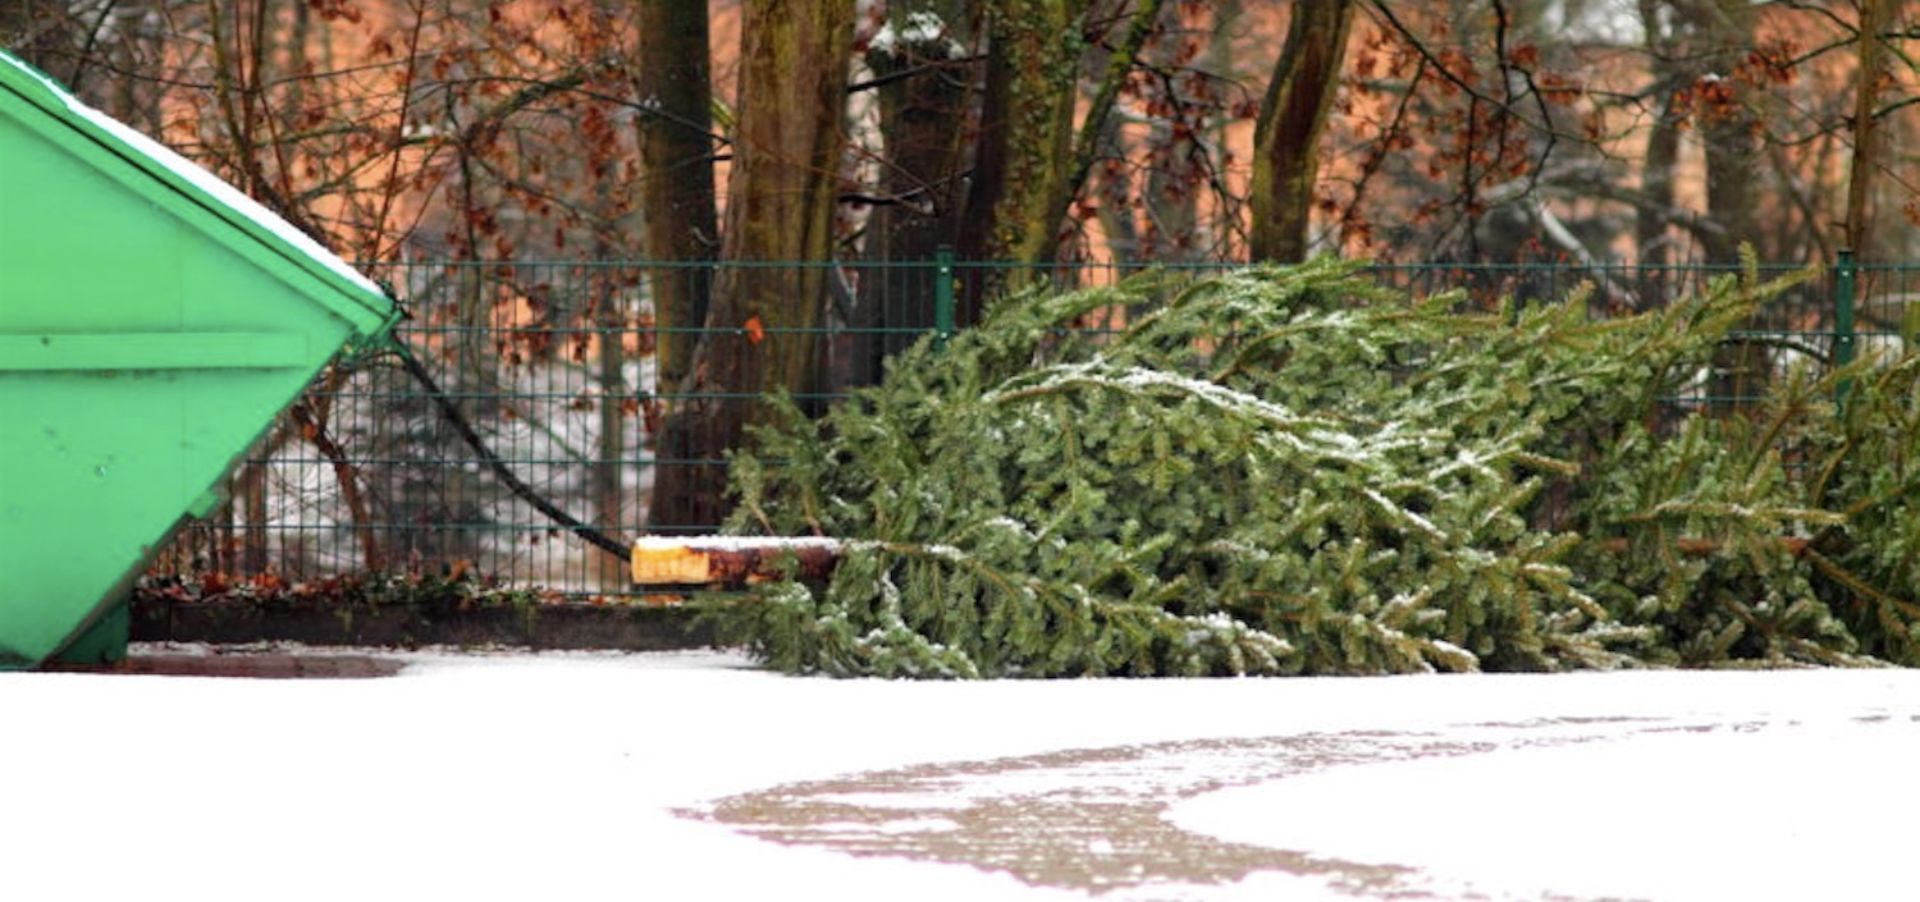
x=153 y=320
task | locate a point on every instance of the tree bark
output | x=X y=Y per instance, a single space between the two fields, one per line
x=1171 y=191
x=729 y=561
x=1731 y=149
x=676 y=173
x=1031 y=160
x=1742 y=369
x=1223 y=220
x=1093 y=135
x=923 y=119
x=780 y=204
x=1117 y=217
x=250 y=493
x=1026 y=138
x=1874 y=15
x=609 y=487
x=1663 y=146
x=1287 y=135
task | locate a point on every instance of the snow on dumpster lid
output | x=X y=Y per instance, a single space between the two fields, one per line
x=187 y=177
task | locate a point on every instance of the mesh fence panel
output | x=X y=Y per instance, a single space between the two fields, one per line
x=556 y=365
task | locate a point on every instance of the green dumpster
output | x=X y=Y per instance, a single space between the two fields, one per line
x=153 y=321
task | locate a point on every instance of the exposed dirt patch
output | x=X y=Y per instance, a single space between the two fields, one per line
x=1094 y=819
x=248 y=665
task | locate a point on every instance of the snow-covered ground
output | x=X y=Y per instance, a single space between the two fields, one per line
x=695 y=776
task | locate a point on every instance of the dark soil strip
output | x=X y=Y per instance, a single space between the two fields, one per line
x=543 y=626
x=249 y=665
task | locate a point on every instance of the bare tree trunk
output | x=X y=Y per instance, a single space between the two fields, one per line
x=923 y=119
x=1656 y=182
x=1874 y=15
x=1653 y=218
x=1731 y=149
x=1026 y=134
x=311 y=421
x=1124 y=243
x=252 y=491
x=1725 y=29
x=731 y=561
x=780 y=203
x=1663 y=146
x=225 y=539
x=1174 y=200
x=1032 y=161
x=609 y=492
x=676 y=172
x=1095 y=136
x=1286 y=143
x=1174 y=187
x=1223 y=221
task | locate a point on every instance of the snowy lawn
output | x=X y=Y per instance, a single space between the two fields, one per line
x=693 y=775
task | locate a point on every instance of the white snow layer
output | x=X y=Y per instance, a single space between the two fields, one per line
x=558 y=777
x=922 y=28
x=1809 y=809
x=205 y=181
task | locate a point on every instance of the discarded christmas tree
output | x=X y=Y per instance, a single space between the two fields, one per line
x=1293 y=470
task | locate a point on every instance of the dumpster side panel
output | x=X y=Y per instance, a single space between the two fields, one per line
x=166 y=179
x=138 y=361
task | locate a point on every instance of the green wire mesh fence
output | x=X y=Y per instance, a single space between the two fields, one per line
x=556 y=365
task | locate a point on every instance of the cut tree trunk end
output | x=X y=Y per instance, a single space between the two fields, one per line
x=731 y=560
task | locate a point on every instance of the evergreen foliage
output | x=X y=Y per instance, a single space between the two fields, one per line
x=1296 y=470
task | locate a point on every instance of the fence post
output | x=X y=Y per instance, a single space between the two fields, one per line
x=942 y=296
x=1844 y=283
